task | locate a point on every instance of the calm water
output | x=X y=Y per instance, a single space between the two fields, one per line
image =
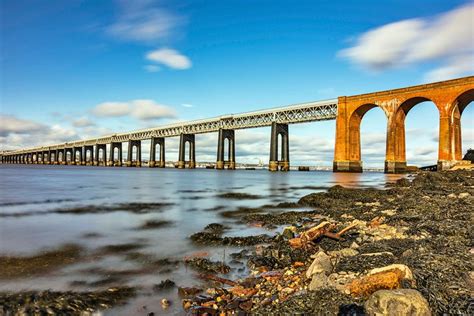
x=33 y=193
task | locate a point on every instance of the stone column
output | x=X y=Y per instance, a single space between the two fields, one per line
x=184 y=138
x=130 y=161
x=91 y=157
x=275 y=163
x=97 y=161
x=395 y=157
x=347 y=146
x=112 y=161
x=153 y=162
x=80 y=160
x=449 y=140
x=45 y=158
x=221 y=163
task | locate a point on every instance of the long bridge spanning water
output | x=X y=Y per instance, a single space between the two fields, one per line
x=450 y=97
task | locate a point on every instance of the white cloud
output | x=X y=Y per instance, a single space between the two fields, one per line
x=169 y=57
x=82 y=122
x=143 y=21
x=447 y=38
x=187 y=105
x=141 y=109
x=152 y=68
x=10 y=124
x=111 y=109
x=149 y=110
x=16 y=133
x=453 y=68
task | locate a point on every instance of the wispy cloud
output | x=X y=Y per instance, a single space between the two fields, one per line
x=141 y=109
x=83 y=122
x=143 y=21
x=169 y=57
x=187 y=105
x=447 y=38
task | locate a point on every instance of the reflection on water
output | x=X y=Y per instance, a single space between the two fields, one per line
x=45 y=207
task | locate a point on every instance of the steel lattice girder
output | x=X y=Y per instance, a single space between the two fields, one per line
x=298 y=113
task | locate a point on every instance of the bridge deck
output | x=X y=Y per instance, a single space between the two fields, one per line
x=297 y=113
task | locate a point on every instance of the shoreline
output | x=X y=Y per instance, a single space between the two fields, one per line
x=423 y=225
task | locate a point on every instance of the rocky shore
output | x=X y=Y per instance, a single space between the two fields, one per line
x=403 y=250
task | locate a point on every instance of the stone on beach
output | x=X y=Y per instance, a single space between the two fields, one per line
x=399 y=302
x=371 y=283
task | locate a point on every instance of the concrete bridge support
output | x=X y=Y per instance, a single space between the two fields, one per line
x=283 y=164
x=88 y=161
x=138 y=158
x=46 y=158
x=97 y=160
x=77 y=156
x=224 y=134
x=187 y=138
x=153 y=162
x=115 y=160
x=68 y=156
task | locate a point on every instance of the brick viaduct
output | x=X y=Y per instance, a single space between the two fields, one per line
x=450 y=97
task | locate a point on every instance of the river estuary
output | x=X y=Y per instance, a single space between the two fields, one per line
x=150 y=211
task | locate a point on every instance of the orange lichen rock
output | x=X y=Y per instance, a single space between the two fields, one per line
x=369 y=284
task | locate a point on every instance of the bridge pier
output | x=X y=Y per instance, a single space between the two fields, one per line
x=221 y=163
x=98 y=149
x=183 y=139
x=153 y=162
x=68 y=152
x=112 y=162
x=88 y=161
x=275 y=164
x=75 y=160
x=138 y=161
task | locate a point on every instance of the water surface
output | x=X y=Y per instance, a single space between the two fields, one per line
x=33 y=197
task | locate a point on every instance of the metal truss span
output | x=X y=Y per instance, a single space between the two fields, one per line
x=298 y=113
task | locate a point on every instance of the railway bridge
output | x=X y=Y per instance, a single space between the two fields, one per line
x=450 y=97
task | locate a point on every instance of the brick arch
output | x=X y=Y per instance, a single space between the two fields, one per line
x=396 y=104
x=396 y=142
x=355 y=121
x=458 y=106
x=462 y=100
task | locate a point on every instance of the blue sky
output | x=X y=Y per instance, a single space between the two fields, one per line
x=74 y=69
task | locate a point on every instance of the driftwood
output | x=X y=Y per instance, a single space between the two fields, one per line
x=212 y=277
x=323 y=229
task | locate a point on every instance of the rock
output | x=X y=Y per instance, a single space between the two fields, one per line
x=397 y=302
x=340 y=280
x=379 y=281
x=166 y=284
x=389 y=212
x=452 y=195
x=165 y=303
x=319 y=281
x=289 y=232
x=188 y=291
x=321 y=263
x=407 y=274
x=354 y=245
x=464 y=195
x=345 y=252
